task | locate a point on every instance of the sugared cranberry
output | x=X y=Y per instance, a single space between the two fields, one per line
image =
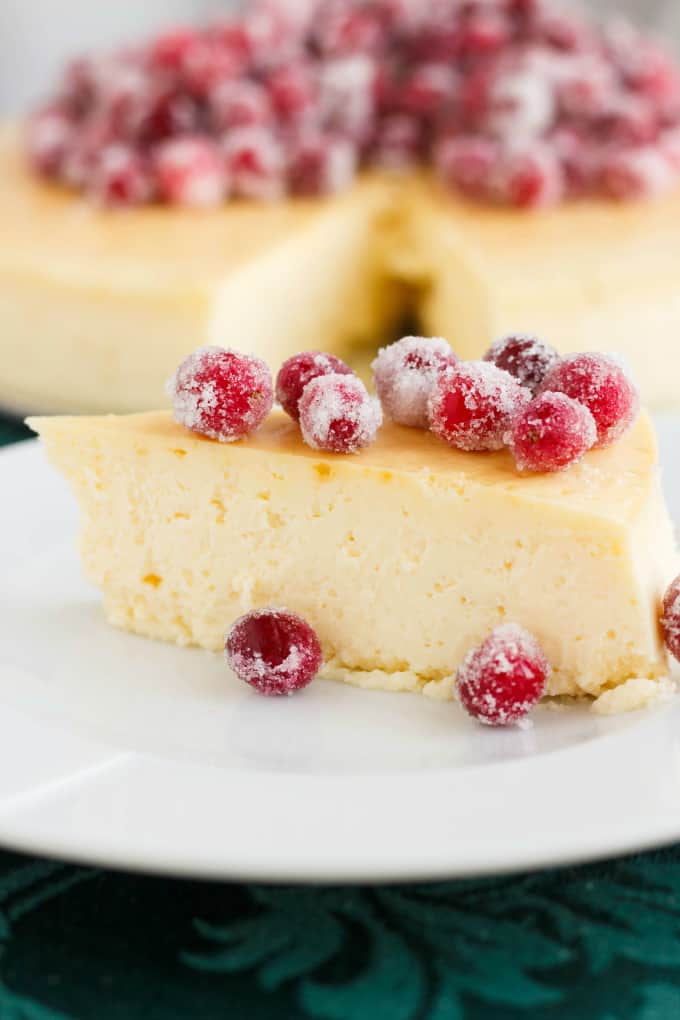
x=273 y=650
x=321 y=164
x=221 y=394
x=404 y=374
x=530 y=179
x=207 y=62
x=629 y=121
x=292 y=91
x=587 y=91
x=467 y=162
x=472 y=404
x=255 y=163
x=347 y=29
x=551 y=433
x=601 y=385
x=346 y=96
x=485 y=32
x=190 y=171
x=398 y=142
x=164 y=114
x=337 y=414
x=299 y=370
x=169 y=50
x=239 y=103
x=500 y=681
x=121 y=177
x=525 y=357
x=646 y=172
x=429 y=89
x=48 y=136
x=522 y=106
x=670 y=618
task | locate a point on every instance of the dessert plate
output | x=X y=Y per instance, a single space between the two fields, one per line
x=127 y=753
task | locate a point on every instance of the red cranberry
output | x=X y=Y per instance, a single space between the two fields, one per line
x=601 y=385
x=299 y=370
x=578 y=162
x=404 y=374
x=588 y=91
x=255 y=163
x=348 y=30
x=630 y=121
x=190 y=171
x=530 y=179
x=525 y=357
x=467 y=162
x=169 y=50
x=472 y=404
x=321 y=165
x=77 y=88
x=48 y=137
x=429 y=89
x=240 y=103
x=221 y=394
x=485 y=32
x=208 y=62
x=165 y=114
x=121 y=177
x=337 y=414
x=273 y=650
x=346 y=96
x=292 y=91
x=501 y=680
x=398 y=142
x=670 y=618
x=638 y=173
x=522 y=106
x=82 y=156
x=551 y=433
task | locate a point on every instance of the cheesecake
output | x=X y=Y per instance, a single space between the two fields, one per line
x=402 y=556
x=98 y=306
x=355 y=163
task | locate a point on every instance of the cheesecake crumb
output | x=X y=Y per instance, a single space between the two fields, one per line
x=638 y=692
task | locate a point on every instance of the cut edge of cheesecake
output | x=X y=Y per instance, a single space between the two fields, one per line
x=402 y=557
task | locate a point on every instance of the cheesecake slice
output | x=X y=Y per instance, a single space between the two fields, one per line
x=402 y=557
x=98 y=306
x=586 y=276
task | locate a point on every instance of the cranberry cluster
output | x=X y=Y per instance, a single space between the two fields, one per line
x=512 y=101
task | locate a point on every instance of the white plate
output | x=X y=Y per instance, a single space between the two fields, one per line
x=118 y=750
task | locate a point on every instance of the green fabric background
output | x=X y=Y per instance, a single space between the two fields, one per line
x=595 y=943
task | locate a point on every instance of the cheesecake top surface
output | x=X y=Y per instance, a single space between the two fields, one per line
x=613 y=482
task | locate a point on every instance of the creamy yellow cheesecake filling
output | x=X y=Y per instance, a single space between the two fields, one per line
x=402 y=557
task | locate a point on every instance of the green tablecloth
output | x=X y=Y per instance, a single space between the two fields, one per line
x=594 y=943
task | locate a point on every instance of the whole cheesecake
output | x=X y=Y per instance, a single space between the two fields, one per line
x=475 y=167
x=401 y=556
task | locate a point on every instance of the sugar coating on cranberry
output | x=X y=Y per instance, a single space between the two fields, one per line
x=221 y=393
x=525 y=357
x=337 y=414
x=670 y=618
x=404 y=374
x=602 y=385
x=191 y=171
x=472 y=404
x=298 y=371
x=551 y=433
x=503 y=678
x=274 y=650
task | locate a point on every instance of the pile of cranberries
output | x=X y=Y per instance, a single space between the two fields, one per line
x=548 y=410
x=513 y=101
